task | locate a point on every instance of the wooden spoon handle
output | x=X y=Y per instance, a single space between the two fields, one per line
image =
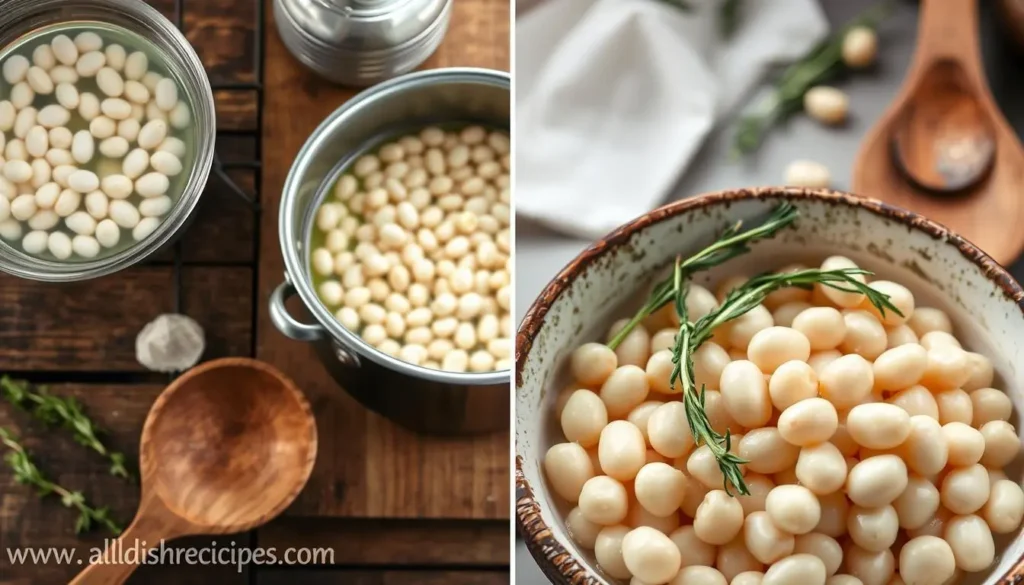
x=948 y=29
x=125 y=554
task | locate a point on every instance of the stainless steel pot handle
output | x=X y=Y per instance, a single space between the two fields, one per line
x=283 y=320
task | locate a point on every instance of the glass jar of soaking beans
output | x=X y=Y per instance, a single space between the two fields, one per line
x=108 y=125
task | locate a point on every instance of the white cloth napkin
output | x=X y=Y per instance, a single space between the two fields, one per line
x=615 y=97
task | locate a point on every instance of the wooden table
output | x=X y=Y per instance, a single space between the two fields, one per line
x=395 y=508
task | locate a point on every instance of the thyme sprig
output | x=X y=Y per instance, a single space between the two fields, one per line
x=26 y=472
x=730 y=243
x=66 y=413
x=823 y=62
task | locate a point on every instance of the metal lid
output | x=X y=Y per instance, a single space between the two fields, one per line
x=364 y=25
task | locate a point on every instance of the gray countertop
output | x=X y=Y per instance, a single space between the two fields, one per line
x=540 y=254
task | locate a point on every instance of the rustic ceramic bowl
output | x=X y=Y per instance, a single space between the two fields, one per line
x=942 y=269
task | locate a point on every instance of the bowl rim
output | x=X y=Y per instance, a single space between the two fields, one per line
x=562 y=566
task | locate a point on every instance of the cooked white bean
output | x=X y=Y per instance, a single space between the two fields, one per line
x=83 y=147
x=965 y=490
x=44 y=219
x=799 y=568
x=567 y=466
x=989 y=404
x=603 y=500
x=37 y=141
x=793 y=508
x=83 y=181
x=180 y=117
x=621 y=450
x=860 y=45
x=88 y=107
x=1005 y=506
x=765 y=541
x=808 y=422
x=971 y=541
x=668 y=431
x=742 y=329
x=865 y=335
x=136 y=65
x=136 y=92
x=148 y=225
x=608 y=551
x=878 y=425
x=624 y=389
x=583 y=417
x=807 y=173
x=46 y=195
x=876 y=481
x=96 y=203
x=917 y=504
x=660 y=488
x=826 y=104
x=650 y=555
x=110 y=82
x=102 y=127
x=90 y=63
x=947 y=368
x=64 y=50
x=824 y=327
x=67 y=96
x=63 y=74
x=847 y=381
x=81 y=223
x=900 y=367
x=821 y=468
x=966 y=445
x=719 y=518
x=873 y=529
x=24 y=122
x=822 y=546
x=166 y=95
x=7 y=115
x=766 y=451
x=17 y=171
x=152 y=185
x=927 y=559
x=152 y=134
x=124 y=213
x=15 y=68
x=744 y=391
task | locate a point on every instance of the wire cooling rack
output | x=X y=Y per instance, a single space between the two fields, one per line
x=220 y=183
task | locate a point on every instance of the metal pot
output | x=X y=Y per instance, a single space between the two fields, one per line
x=422 y=399
x=362 y=42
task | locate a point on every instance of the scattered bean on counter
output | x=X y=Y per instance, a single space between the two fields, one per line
x=87 y=146
x=415 y=249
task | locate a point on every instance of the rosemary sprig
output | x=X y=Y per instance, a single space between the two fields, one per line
x=26 y=472
x=822 y=63
x=741 y=300
x=730 y=244
x=65 y=412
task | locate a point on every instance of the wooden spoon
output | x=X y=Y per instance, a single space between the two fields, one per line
x=943 y=149
x=225 y=448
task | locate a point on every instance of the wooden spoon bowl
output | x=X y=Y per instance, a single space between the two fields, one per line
x=226 y=447
x=944 y=149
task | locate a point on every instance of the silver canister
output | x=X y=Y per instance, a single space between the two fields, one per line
x=422 y=399
x=362 y=42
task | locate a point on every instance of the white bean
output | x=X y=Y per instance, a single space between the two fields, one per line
x=114 y=147
x=46 y=196
x=174 y=146
x=152 y=185
x=873 y=529
x=39 y=80
x=766 y=451
x=64 y=50
x=719 y=518
x=96 y=203
x=88 y=41
x=110 y=82
x=90 y=63
x=67 y=202
x=801 y=568
x=876 y=481
x=102 y=127
x=83 y=181
x=878 y=425
x=124 y=214
x=116 y=57
x=152 y=134
x=88 y=107
x=63 y=74
x=44 y=219
x=67 y=96
x=566 y=465
x=17 y=171
x=603 y=500
x=22 y=95
x=860 y=45
x=5 y=209
x=85 y=246
x=7 y=115
x=166 y=95
x=135 y=163
x=608 y=551
x=650 y=555
x=15 y=68
x=155 y=206
x=826 y=104
x=1005 y=507
x=807 y=173
x=180 y=117
x=34 y=242
x=808 y=422
x=745 y=393
x=83 y=147
x=10 y=229
x=81 y=223
x=37 y=141
x=765 y=541
x=116 y=108
x=583 y=417
x=136 y=92
x=43 y=57
x=821 y=468
x=108 y=233
x=136 y=66
x=24 y=122
x=59 y=245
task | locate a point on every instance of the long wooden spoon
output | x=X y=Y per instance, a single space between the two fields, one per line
x=944 y=149
x=225 y=448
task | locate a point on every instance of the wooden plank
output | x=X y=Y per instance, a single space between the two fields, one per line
x=223 y=33
x=395 y=542
x=223 y=230
x=357 y=577
x=91 y=326
x=368 y=467
x=236 y=110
